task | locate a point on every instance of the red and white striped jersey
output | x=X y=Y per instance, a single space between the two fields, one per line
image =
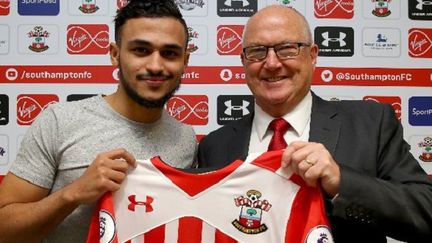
x=247 y=201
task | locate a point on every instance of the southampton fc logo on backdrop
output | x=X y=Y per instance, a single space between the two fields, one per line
x=88 y=6
x=381 y=8
x=426 y=147
x=38 y=37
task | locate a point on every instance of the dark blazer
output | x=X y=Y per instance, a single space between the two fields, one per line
x=383 y=191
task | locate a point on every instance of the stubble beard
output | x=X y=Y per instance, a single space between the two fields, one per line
x=133 y=94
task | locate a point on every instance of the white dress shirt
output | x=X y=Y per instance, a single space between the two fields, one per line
x=299 y=118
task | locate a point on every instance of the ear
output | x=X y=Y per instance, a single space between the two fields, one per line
x=114 y=54
x=314 y=54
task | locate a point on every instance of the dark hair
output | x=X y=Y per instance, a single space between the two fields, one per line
x=147 y=9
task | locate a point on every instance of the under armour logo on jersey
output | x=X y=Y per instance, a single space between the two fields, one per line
x=244 y=2
x=231 y=107
x=340 y=39
x=421 y=3
x=146 y=203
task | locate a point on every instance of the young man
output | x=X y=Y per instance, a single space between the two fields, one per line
x=353 y=150
x=77 y=151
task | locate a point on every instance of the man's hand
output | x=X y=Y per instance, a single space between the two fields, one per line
x=314 y=163
x=105 y=173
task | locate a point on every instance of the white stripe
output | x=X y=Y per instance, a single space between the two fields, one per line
x=138 y=239
x=208 y=233
x=171 y=231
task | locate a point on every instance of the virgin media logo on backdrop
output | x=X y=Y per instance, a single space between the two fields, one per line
x=189 y=109
x=340 y=9
x=394 y=101
x=87 y=39
x=229 y=39
x=420 y=43
x=4 y=7
x=29 y=106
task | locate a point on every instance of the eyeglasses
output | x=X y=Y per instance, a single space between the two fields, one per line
x=283 y=51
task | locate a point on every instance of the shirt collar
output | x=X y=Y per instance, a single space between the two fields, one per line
x=298 y=118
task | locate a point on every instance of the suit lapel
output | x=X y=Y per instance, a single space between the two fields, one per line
x=239 y=146
x=325 y=123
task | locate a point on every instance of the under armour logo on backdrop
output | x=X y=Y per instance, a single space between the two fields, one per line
x=243 y=107
x=340 y=39
x=421 y=3
x=233 y=107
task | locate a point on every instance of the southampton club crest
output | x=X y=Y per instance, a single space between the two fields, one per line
x=193 y=35
x=426 y=146
x=88 y=6
x=251 y=211
x=189 y=5
x=38 y=36
x=381 y=8
x=285 y=2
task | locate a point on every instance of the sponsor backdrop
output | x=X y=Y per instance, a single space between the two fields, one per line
x=57 y=51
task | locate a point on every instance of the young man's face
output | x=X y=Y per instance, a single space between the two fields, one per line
x=151 y=58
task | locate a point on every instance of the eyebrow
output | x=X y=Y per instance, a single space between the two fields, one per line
x=141 y=42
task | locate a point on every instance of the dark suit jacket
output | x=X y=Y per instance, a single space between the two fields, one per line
x=383 y=191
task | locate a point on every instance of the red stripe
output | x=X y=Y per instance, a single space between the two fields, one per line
x=155 y=235
x=105 y=202
x=223 y=238
x=1 y=178
x=270 y=160
x=307 y=212
x=189 y=230
x=187 y=181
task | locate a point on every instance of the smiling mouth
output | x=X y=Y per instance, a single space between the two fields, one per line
x=274 y=79
x=151 y=78
x=154 y=82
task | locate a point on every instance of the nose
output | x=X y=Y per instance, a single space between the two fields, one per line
x=154 y=63
x=272 y=61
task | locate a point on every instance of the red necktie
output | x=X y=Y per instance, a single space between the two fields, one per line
x=279 y=127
